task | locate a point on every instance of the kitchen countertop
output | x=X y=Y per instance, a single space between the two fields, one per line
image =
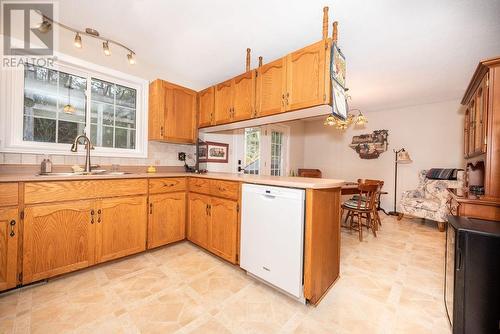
x=281 y=181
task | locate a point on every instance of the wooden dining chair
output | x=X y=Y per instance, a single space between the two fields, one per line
x=362 y=208
x=379 y=193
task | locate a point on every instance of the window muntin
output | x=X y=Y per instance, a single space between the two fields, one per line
x=252 y=151
x=276 y=153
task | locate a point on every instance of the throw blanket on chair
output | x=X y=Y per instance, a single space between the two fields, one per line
x=442 y=174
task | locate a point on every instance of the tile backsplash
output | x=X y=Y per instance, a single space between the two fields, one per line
x=159 y=154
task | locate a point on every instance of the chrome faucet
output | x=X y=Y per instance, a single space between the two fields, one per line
x=88 y=147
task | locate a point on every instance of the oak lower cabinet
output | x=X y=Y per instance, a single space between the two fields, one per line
x=223 y=228
x=9 y=233
x=198 y=219
x=120 y=227
x=58 y=238
x=167 y=218
x=67 y=236
x=213 y=225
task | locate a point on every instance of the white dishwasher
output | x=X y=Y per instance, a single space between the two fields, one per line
x=272 y=236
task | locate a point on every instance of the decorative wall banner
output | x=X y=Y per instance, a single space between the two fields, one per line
x=370 y=145
x=213 y=152
x=337 y=76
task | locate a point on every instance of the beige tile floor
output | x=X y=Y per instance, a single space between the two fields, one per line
x=389 y=284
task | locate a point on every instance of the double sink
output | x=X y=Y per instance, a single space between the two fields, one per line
x=94 y=172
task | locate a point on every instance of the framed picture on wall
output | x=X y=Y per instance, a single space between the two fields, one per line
x=217 y=152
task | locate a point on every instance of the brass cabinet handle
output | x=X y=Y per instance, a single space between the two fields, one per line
x=99 y=217
x=161 y=130
x=283 y=100
x=206 y=210
x=12 y=224
x=287 y=95
x=92 y=216
x=210 y=210
x=150 y=208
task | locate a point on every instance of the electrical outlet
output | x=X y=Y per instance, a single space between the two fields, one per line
x=182 y=156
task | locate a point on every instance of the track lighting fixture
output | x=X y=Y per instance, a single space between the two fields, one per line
x=78 y=41
x=105 y=47
x=47 y=23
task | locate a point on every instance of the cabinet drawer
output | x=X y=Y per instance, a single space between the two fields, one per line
x=199 y=185
x=166 y=185
x=225 y=189
x=112 y=188
x=57 y=191
x=8 y=194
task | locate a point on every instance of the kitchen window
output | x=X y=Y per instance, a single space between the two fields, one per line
x=49 y=107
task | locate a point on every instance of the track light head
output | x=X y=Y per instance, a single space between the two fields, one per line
x=78 y=41
x=131 y=58
x=105 y=48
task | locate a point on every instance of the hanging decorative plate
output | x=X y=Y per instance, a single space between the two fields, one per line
x=338 y=65
x=339 y=101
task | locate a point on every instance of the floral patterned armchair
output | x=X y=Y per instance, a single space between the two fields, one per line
x=429 y=199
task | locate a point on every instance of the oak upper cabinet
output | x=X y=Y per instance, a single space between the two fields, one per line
x=198 y=219
x=271 y=88
x=9 y=233
x=223 y=102
x=206 y=104
x=172 y=113
x=305 y=71
x=167 y=218
x=121 y=225
x=244 y=96
x=235 y=99
x=58 y=238
x=223 y=230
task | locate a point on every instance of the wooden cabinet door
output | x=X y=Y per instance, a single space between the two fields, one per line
x=206 y=101
x=167 y=218
x=9 y=232
x=223 y=102
x=157 y=105
x=271 y=88
x=57 y=238
x=481 y=103
x=244 y=96
x=121 y=227
x=472 y=127
x=306 y=77
x=466 y=133
x=198 y=219
x=223 y=230
x=180 y=119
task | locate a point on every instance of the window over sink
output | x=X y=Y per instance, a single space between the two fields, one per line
x=49 y=107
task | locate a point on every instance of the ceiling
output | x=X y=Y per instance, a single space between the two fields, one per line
x=399 y=53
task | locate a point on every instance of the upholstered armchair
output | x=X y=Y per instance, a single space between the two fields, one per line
x=429 y=199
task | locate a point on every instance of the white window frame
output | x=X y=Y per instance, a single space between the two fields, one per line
x=265 y=148
x=12 y=109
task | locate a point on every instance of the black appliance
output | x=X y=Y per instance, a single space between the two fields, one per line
x=472 y=275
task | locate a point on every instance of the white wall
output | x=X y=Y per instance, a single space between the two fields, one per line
x=431 y=133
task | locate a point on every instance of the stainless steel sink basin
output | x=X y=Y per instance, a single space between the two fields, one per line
x=58 y=174
x=96 y=172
